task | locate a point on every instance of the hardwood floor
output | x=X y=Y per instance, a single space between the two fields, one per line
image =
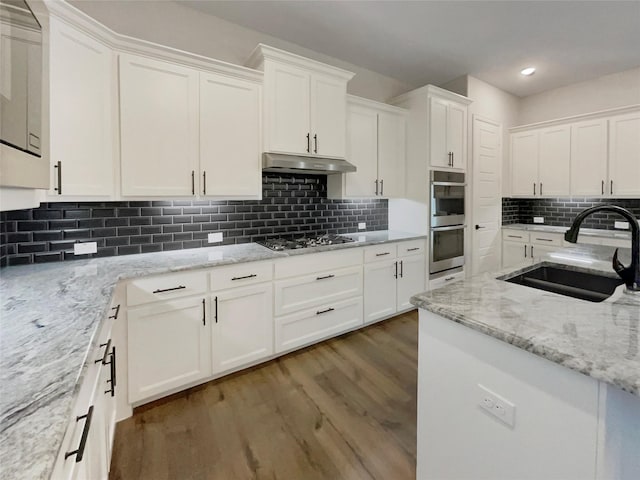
x=341 y=410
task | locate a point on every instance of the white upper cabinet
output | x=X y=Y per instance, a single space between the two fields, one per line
x=81 y=76
x=376 y=135
x=540 y=161
x=447 y=133
x=304 y=104
x=589 y=157
x=229 y=137
x=158 y=127
x=624 y=155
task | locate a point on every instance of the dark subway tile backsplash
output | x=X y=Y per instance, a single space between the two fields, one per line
x=562 y=211
x=291 y=204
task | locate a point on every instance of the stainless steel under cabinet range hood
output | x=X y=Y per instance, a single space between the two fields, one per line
x=279 y=162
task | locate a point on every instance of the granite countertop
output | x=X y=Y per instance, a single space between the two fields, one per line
x=49 y=314
x=588 y=232
x=596 y=339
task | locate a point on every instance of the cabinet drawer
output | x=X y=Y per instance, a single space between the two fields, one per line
x=547 y=238
x=321 y=288
x=165 y=287
x=445 y=280
x=375 y=253
x=414 y=247
x=515 y=236
x=316 y=262
x=311 y=325
x=616 y=242
x=241 y=274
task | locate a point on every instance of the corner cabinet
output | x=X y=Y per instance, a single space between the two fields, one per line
x=304 y=104
x=437 y=125
x=82 y=78
x=376 y=135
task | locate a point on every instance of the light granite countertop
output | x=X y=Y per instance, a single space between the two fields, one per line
x=49 y=314
x=597 y=339
x=587 y=232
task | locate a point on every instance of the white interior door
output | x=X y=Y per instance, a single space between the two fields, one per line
x=487 y=195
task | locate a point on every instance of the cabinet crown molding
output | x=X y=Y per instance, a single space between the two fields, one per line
x=576 y=118
x=264 y=52
x=124 y=44
x=367 y=103
x=429 y=91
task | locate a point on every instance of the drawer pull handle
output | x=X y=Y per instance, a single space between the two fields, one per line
x=204 y=313
x=216 y=312
x=79 y=453
x=413 y=249
x=382 y=254
x=115 y=315
x=162 y=290
x=107 y=346
x=112 y=380
x=246 y=276
x=514 y=236
x=326 y=276
x=448 y=279
x=320 y=312
x=544 y=239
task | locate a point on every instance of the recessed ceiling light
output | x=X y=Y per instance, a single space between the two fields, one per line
x=528 y=71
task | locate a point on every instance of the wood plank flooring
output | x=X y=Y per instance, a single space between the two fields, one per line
x=342 y=410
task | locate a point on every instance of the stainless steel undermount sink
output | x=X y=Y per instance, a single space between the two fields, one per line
x=567 y=280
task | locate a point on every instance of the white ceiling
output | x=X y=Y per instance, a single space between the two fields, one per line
x=422 y=42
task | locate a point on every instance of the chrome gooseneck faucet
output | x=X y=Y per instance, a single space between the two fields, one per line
x=630 y=274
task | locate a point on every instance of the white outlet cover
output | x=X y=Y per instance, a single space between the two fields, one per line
x=85 y=248
x=621 y=225
x=497 y=406
x=362 y=226
x=538 y=219
x=214 y=237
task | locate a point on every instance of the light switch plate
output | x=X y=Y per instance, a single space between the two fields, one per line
x=214 y=237
x=621 y=225
x=538 y=219
x=362 y=226
x=85 y=248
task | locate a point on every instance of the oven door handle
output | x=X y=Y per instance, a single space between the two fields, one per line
x=446 y=229
x=449 y=184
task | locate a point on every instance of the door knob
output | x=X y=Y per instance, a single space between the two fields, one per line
x=478 y=227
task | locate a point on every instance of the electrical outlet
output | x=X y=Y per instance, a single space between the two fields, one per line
x=621 y=225
x=538 y=219
x=499 y=407
x=85 y=248
x=362 y=226
x=214 y=237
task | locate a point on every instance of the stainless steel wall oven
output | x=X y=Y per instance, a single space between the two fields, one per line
x=447 y=221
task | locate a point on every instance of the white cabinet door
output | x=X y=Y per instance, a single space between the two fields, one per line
x=362 y=151
x=524 y=163
x=230 y=163
x=328 y=116
x=537 y=251
x=411 y=280
x=589 y=157
x=438 y=148
x=81 y=136
x=379 y=290
x=456 y=134
x=514 y=253
x=242 y=326
x=554 y=161
x=158 y=127
x=391 y=154
x=287 y=120
x=624 y=155
x=169 y=346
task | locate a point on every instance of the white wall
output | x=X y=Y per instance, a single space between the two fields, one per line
x=615 y=90
x=177 y=26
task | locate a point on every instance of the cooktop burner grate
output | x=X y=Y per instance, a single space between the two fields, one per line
x=290 y=243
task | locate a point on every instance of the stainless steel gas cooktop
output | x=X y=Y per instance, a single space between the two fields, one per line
x=281 y=243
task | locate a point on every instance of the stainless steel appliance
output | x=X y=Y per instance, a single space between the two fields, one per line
x=447 y=221
x=283 y=163
x=290 y=243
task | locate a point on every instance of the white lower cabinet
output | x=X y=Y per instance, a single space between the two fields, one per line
x=242 y=328
x=520 y=247
x=169 y=346
x=390 y=283
x=309 y=326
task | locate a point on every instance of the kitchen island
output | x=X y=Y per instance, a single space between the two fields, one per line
x=516 y=382
x=49 y=318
